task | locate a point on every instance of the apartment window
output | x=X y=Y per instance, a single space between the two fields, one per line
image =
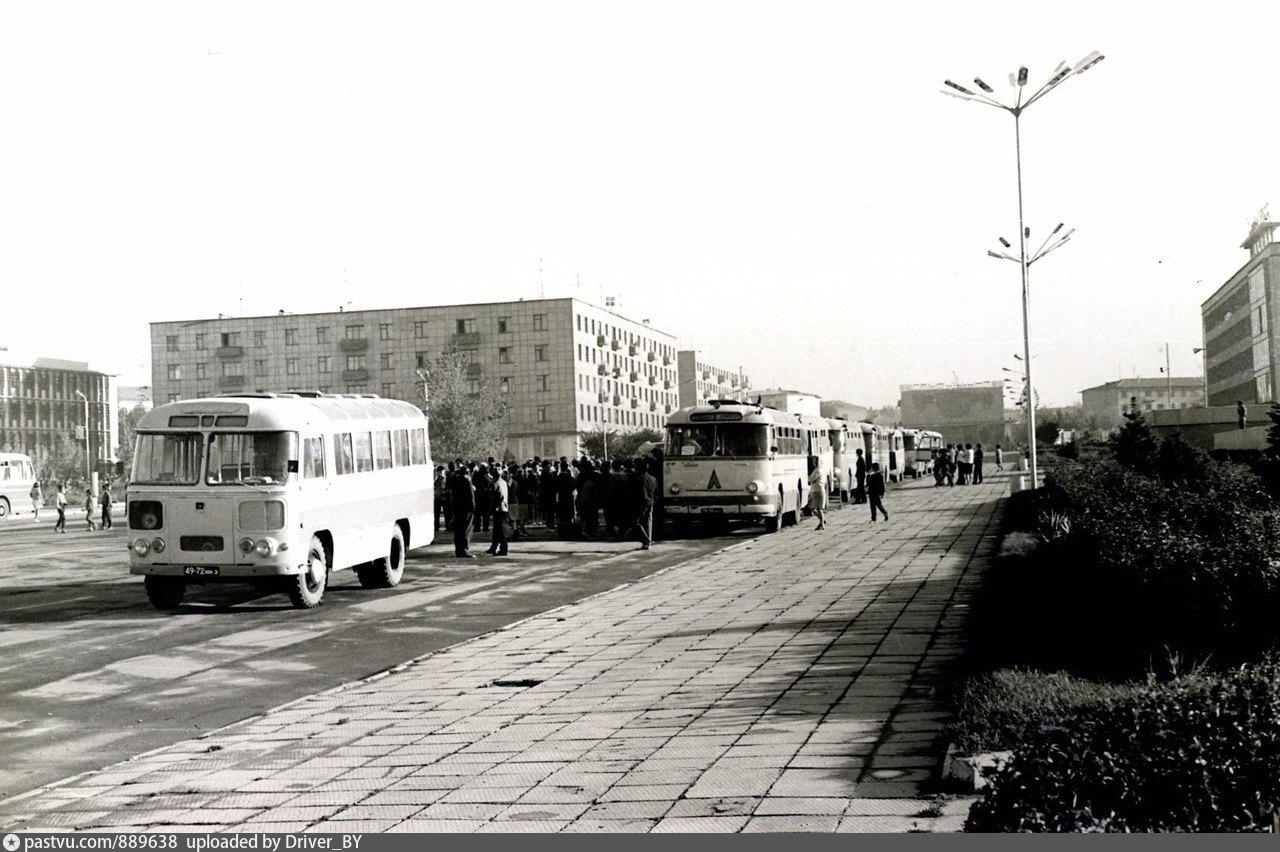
x=502 y=325
x=171 y=342
x=322 y=334
x=200 y=342
x=384 y=331
x=173 y=397
x=355 y=362
x=473 y=386
x=539 y=322
x=175 y=372
x=420 y=328
x=355 y=332
x=504 y=355
x=540 y=352
x=231 y=338
x=260 y=367
x=384 y=361
x=322 y=364
x=259 y=339
x=466 y=326
x=232 y=368
x=420 y=360
x=291 y=366
x=542 y=414
x=542 y=382
x=200 y=371
x=386 y=389
x=290 y=337
x=504 y=384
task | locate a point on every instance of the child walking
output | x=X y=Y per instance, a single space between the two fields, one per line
x=89 y=506
x=875 y=490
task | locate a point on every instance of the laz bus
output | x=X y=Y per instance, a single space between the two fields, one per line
x=17 y=475
x=279 y=490
x=731 y=460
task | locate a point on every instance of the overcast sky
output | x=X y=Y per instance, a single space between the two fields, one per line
x=780 y=185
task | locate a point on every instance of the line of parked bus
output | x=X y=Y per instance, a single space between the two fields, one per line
x=734 y=460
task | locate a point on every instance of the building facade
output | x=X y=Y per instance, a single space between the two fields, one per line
x=699 y=381
x=796 y=402
x=841 y=410
x=1104 y=405
x=40 y=411
x=1240 y=351
x=567 y=366
x=968 y=413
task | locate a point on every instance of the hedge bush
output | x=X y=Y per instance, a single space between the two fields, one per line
x=1199 y=753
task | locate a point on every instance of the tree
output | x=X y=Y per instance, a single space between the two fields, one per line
x=128 y=425
x=1273 y=431
x=608 y=443
x=467 y=415
x=1134 y=445
x=1047 y=431
x=63 y=461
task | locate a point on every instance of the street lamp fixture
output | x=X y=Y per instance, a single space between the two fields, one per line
x=986 y=95
x=87 y=476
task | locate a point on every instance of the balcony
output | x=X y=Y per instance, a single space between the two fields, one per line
x=599 y=340
x=666 y=408
x=227 y=352
x=706 y=375
x=666 y=360
x=230 y=382
x=617 y=372
x=652 y=355
x=474 y=371
x=354 y=344
x=653 y=380
x=602 y=397
x=467 y=339
x=635 y=377
x=666 y=384
x=653 y=406
x=633 y=350
x=355 y=377
x=615 y=345
x=617 y=400
x=635 y=403
x=601 y=370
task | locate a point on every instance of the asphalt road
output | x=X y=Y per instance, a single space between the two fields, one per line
x=91 y=674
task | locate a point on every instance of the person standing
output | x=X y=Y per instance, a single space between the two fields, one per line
x=999 y=458
x=817 y=493
x=645 y=487
x=88 y=508
x=462 y=494
x=1242 y=413
x=440 y=488
x=860 y=477
x=106 y=506
x=500 y=495
x=565 y=486
x=484 y=490
x=60 y=503
x=977 y=464
x=875 y=491
x=37 y=498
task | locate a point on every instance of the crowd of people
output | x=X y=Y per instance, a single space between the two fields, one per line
x=578 y=498
x=92 y=503
x=962 y=464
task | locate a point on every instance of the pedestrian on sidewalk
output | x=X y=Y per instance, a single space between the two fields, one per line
x=999 y=458
x=499 y=496
x=60 y=503
x=860 y=477
x=462 y=495
x=37 y=498
x=106 y=505
x=977 y=464
x=644 y=486
x=440 y=492
x=875 y=491
x=817 y=493
x=88 y=508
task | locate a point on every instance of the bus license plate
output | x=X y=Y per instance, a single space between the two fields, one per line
x=712 y=509
x=200 y=571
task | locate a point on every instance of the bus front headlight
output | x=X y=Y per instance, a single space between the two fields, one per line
x=141 y=547
x=675 y=488
x=246 y=546
x=753 y=487
x=263 y=547
x=157 y=545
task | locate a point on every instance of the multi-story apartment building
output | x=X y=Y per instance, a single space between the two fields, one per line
x=797 y=402
x=1240 y=349
x=1104 y=405
x=52 y=397
x=568 y=366
x=699 y=381
x=969 y=413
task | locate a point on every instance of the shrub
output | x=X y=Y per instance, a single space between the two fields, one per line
x=1200 y=753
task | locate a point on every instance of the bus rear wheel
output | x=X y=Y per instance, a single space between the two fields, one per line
x=164 y=592
x=385 y=573
x=4 y=507
x=306 y=589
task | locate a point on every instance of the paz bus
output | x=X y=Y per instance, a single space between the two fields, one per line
x=280 y=490
x=17 y=475
x=731 y=460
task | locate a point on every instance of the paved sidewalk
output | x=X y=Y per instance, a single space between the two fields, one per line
x=793 y=682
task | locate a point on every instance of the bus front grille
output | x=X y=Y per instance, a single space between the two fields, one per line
x=205 y=543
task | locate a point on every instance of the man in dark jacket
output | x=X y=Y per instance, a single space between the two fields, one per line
x=463 y=499
x=860 y=478
x=875 y=491
x=644 y=486
x=484 y=490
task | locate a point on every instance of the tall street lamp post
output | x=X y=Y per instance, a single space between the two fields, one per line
x=87 y=475
x=986 y=95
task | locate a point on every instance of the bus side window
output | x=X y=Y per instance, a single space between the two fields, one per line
x=400 y=448
x=417 y=447
x=382 y=450
x=313 y=458
x=343 y=457
x=364 y=451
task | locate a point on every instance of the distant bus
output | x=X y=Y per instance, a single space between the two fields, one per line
x=278 y=489
x=17 y=475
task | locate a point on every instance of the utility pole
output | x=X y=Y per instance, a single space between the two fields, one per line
x=1168 y=375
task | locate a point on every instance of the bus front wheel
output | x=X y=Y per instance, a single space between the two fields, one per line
x=4 y=507
x=306 y=589
x=772 y=522
x=385 y=573
x=164 y=592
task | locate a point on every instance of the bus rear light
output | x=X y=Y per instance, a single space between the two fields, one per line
x=141 y=547
x=157 y=545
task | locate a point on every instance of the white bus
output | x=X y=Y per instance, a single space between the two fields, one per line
x=280 y=490
x=17 y=475
x=733 y=460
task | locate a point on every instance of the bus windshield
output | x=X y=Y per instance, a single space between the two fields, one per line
x=732 y=440
x=250 y=458
x=168 y=459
